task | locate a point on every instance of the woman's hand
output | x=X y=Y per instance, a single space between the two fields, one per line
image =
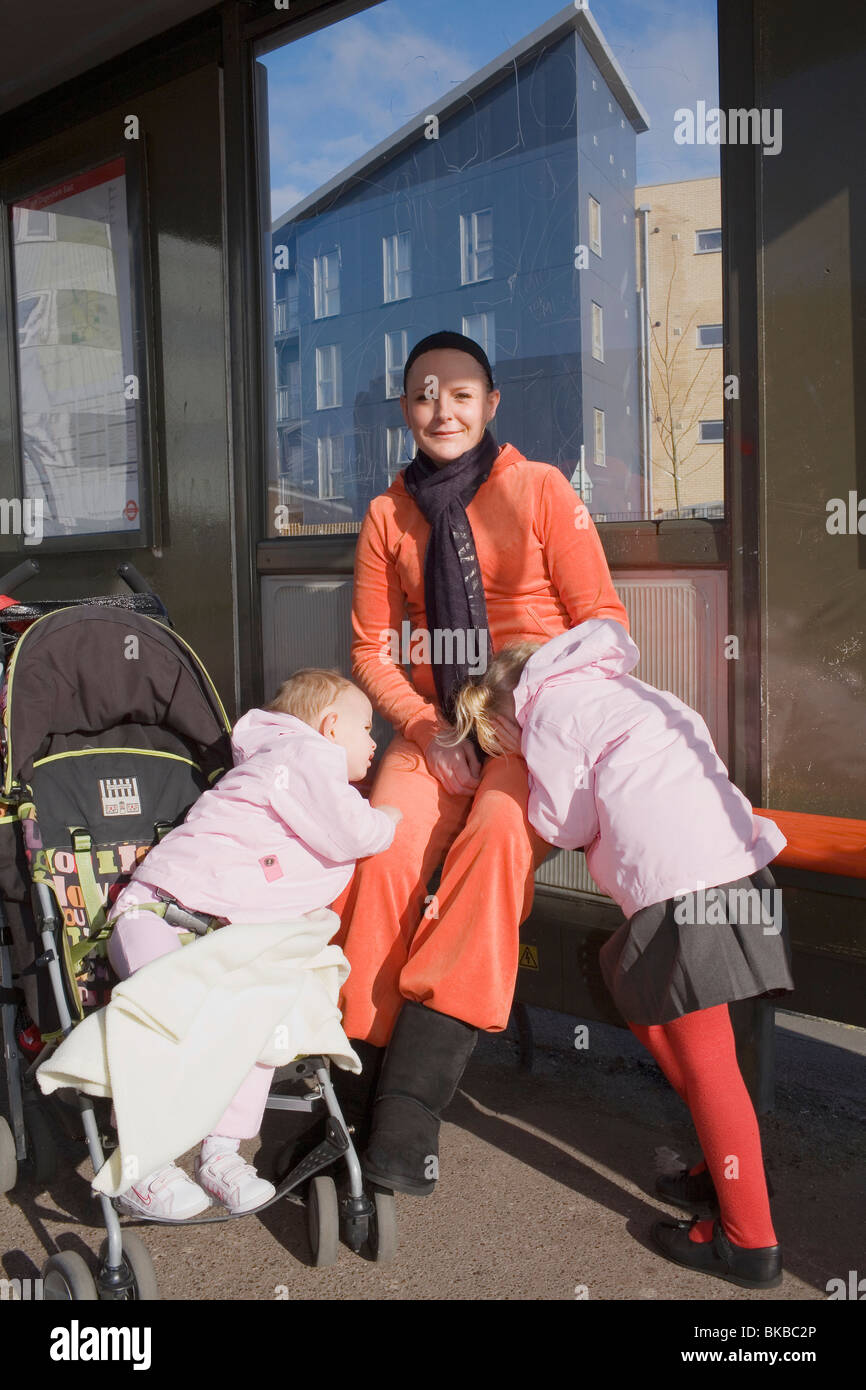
x=393 y=812
x=458 y=768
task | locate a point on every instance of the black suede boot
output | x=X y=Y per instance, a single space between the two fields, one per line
x=355 y=1092
x=423 y=1064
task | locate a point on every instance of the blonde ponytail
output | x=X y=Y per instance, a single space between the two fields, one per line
x=473 y=706
x=480 y=700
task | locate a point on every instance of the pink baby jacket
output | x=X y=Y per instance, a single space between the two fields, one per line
x=277 y=836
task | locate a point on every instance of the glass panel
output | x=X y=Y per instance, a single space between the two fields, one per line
x=79 y=379
x=458 y=165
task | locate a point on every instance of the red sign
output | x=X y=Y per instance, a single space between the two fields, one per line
x=112 y=170
x=130 y=511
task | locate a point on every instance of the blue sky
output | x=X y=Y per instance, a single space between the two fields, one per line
x=336 y=93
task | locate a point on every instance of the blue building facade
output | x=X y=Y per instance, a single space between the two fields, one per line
x=506 y=212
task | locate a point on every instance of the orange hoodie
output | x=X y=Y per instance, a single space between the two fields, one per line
x=542 y=564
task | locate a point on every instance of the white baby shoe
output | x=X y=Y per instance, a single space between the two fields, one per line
x=233 y=1182
x=168 y=1192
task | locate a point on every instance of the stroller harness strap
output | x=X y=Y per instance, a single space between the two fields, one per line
x=178 y=916
x=82 y=847
x=100 y=927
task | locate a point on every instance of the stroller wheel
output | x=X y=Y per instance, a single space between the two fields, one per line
x=8 y=1158
x=41 y=1163
x=140 y=1266
x=66 y=1278
x=323 y=1220
x=382 y=1230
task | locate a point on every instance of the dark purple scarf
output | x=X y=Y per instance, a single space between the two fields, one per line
x=453 y=587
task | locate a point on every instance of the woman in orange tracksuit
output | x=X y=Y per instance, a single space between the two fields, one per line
x=484 y=548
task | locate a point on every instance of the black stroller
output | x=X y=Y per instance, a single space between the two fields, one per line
x=112 y=728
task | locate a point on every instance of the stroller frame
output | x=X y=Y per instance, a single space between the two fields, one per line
x=125 y=1270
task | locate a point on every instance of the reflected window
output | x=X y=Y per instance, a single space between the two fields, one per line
x=482 y=329
x=594 y=226
x=38 y=225
x=329 y=385
x=81 y=372
x=289 y=392
x=597 y=332
x=708 y=240
x=599 y=453
x=710 y=335
x=400 y=451
x=397 y=266
x=330 y=448
x=326 y=284
x=396 y=352
x=285 y=307
x=476 y=246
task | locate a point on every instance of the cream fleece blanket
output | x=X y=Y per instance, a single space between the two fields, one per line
x=179 y=1036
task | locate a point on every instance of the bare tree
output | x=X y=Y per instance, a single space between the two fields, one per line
x=676 y=410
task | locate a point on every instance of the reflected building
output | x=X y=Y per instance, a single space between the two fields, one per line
x=504 y=211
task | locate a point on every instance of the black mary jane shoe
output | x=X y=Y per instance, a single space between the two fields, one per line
x=693 y=1191
x=750 y=1269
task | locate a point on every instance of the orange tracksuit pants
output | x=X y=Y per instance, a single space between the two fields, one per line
x=458 y=952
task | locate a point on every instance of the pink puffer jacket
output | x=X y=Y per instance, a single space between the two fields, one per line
x=631 y=774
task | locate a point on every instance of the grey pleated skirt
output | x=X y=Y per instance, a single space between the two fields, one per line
x=700 y=949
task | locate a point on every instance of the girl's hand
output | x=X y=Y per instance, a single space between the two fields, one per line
x=458 y=768
x=508 y=733
x=393 y=812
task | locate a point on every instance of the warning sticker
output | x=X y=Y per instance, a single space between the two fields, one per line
x=528 y=959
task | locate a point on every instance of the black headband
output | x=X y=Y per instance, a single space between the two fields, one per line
x=447 y=339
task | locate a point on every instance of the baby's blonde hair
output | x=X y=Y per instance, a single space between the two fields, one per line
x=308 y=692
x=484 y=697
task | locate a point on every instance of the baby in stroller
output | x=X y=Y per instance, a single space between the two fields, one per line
x=277 y=837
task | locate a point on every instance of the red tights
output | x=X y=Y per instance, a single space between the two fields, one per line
x=698 y=1056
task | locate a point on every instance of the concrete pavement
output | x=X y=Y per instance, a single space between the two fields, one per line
x=545 y=1190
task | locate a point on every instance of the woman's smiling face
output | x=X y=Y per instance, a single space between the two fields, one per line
x=450 y=414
